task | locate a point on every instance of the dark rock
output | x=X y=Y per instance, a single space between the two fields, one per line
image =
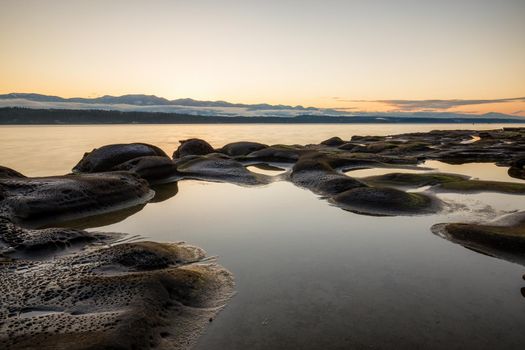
x=193 y=147
x=107 y=157
x=503 y=238
x=8 y=172
x=242 y=148
x=333 y=142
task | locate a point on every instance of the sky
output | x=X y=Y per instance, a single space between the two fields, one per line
x=353 y=55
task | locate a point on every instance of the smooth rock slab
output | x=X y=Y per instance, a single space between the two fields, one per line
x=215 y=167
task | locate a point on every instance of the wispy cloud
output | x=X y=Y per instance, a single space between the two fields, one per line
x=413 y=105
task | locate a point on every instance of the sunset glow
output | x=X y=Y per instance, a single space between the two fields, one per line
x=333 y=54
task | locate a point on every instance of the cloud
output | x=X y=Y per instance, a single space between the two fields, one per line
x=412 y=105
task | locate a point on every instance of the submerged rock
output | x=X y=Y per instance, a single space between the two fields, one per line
x=413 y=180
x=445 y=183
x=107 y=157
x=193 y=147
x=474 y=186
x=43 y=199
x=386 y=201
x=503 y=238
x=128 y=296
x=241 y=148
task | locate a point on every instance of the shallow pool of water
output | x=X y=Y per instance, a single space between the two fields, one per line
x=310 y=275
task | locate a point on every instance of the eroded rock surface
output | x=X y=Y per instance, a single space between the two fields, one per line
x=128 y=296
x=38 y=243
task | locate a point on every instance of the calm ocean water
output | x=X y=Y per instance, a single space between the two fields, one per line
x=309 y=275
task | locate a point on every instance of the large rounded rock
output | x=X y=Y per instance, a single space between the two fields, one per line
x=241 y=148
x=56 y=198
x=107 y=157
x=193 y=147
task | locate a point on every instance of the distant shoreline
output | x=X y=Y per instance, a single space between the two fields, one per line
x=27 y=116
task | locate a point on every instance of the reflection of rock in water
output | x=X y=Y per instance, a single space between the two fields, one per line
x=104 y=219
x=164 y=192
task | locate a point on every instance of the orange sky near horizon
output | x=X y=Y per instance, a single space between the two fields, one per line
x=312 y=53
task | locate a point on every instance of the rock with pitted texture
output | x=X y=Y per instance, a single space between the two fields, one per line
x=128 y=296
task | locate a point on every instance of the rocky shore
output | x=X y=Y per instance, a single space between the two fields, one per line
x=69 y=288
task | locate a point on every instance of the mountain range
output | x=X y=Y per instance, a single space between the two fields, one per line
x=190 y=107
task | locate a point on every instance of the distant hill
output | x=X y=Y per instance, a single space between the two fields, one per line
x=145 y=100
x=21 y=108
x=28 y=116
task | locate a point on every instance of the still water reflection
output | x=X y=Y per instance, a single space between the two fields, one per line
x=309 y=275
